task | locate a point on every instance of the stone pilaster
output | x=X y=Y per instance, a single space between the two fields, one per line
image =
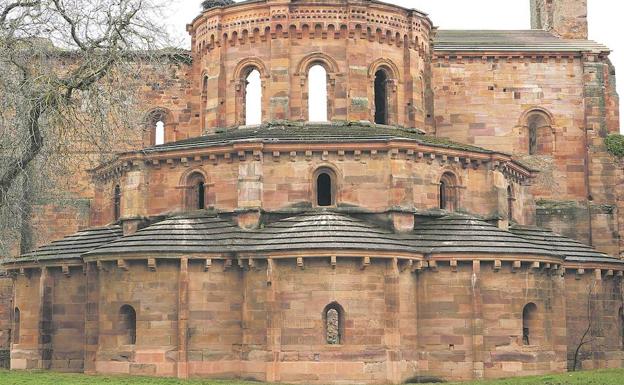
x=477 y=321
x=183 y=318
x=91 y=317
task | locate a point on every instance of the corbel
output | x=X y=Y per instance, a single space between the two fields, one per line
x=325 y=155
x=433 y=265
x=251 y=263
x=409 y=264
x=170 y=163
x=357 y=155
x=394 y=153
x=418 y=266
x=241 y=264
x=241 y=155
x=517 y=265
x=151 y=264
x=257 y=154
x=341 y=155
x=420 y=156
x=228 y=157
x=365 y=262
x=373 y=154
x=156 y=163
x=227 y=264
x=308 y=155
x=609 y=273
x=431 y=158
x=300 y=263
x=213 y=159
x=276 y=156
x=121 y=264
x=453 y=264
x=444 y=159
x=579 y=273
x=208 y=264
x=184 y=161
x=293 y=156
x=598 y=274
x=498 y=264
x=535 y=266
x=22 y=271
x=197 y=158
x=410 y=154
x=332 y=261
x=65 y=269
x=100 y=265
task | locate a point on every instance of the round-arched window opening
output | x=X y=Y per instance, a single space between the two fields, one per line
x=317 y=94
x=447 y=194
x=334 y=320
x=16 y=325
x=253 y=98
x=324 y=193
x=127 y=325
x=196 y=192
x=381 y=97
x=529 y=324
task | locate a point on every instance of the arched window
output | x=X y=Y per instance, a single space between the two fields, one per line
x=16 y=326
x=540 y=133
x=333 y=320
x=156 y=124
x=159 y=136
x=127 y=325
x=447 y=193
x=381 y=97
x=317 y=94
x=117 y=203
x=196 y=192
x=325 y=187
x=510 y=203
x=253 y=98
x=529 y=324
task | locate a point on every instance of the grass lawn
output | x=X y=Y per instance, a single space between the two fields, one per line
x=600 y=377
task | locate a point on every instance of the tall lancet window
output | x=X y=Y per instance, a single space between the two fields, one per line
x=317 y=94
x=253 y=98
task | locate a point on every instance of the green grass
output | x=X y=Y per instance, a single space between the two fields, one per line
x=600 y=377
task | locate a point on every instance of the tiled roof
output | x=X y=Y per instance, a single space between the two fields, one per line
x=512 y=41
x=572 y=250
x=464 y=234
x=73 y=246
x=206 y=233
x=179 y=234
x=324 y=230
x=312 y=133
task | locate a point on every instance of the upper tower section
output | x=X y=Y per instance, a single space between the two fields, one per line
x=565 y=18
x=311 y=60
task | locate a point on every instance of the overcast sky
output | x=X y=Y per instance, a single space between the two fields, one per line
x=605 y=19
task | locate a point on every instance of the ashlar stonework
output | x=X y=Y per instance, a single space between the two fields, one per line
x=456 y=216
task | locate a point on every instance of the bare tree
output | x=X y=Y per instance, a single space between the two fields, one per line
x=56 y=57
x=68 y=75
x=586 y=338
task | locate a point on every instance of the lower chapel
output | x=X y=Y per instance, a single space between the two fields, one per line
x=334 y=192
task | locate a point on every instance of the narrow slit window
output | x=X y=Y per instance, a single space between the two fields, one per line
x=117 y=203
x=196 y=192
x=16 y=326
x=159 y=133
x=448 y=192
x=381 y=97
x=529 y=322
x=333 y=317
x=253 y=98
x=324 y=190
x=510 y=203
x=201 y=196
x=317 y=94
x=127 y=321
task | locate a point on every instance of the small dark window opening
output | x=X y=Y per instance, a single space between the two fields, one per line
x=16 y=326
x=333 y=318
x=447 y=193
x=510 y=202
x=117 y=203
x=444 y=195
x=127 y=321
x=324 y=190
x=381 y=97
x=201 y=196
x=532 y=139
x=529 y=314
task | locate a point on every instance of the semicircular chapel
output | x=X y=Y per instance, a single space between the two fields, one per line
x=340 y=192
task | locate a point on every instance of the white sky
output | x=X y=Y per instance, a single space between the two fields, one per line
x=605 y=18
